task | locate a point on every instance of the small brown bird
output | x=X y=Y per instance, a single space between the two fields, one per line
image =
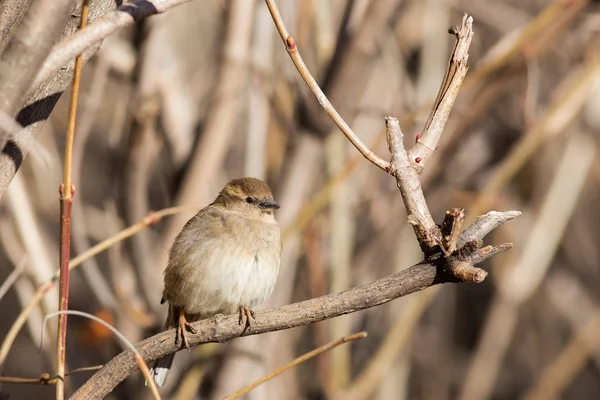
x=225 y=260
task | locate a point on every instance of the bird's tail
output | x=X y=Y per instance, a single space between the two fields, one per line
x=162 y=366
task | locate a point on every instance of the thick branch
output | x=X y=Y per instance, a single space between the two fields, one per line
x=31 y=43
x=125 y=15
x=222 y=329
x=40 y=104
x=53 y=77
x=407 y=178
x=33 y=39
x=11 y=14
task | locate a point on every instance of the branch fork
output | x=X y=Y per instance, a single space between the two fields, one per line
x=455 y=254
x=405 y=166
x=465 y=250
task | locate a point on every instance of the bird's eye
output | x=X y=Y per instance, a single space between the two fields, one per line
x=249 y=200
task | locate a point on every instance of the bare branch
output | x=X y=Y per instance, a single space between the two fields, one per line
x=31 y=43
x=450 y=229
x=466 y=272
x=489 y=251
x=407 y=179
x=457 y=69
x=39 y=105
x=223 y=329
x=125 y=15
x=292 y=50
x=404 y=166
x=484 y=225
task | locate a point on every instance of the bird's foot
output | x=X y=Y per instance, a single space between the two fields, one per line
x=249 y=314
x=183 y=327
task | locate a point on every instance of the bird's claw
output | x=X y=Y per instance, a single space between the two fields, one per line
x=249 y=314
x=183 y=327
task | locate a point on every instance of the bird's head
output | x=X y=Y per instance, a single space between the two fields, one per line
x=249 y=196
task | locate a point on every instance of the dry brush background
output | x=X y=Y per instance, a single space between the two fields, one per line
x=176 y=105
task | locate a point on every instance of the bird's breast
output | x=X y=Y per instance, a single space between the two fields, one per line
x=238 y=268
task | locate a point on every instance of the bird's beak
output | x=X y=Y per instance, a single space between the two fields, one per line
x=269 y=204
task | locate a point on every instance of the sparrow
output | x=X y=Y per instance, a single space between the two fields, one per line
x=224 y=261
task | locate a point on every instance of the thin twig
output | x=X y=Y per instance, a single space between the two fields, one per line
x=46 y=379
x=457 y=69
x=67 y=190
x=91 y=272
x=68 y=162
x=150 y=219
x=407 y=166
x=138 y=358
x=292 y=50
x=299 y=360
